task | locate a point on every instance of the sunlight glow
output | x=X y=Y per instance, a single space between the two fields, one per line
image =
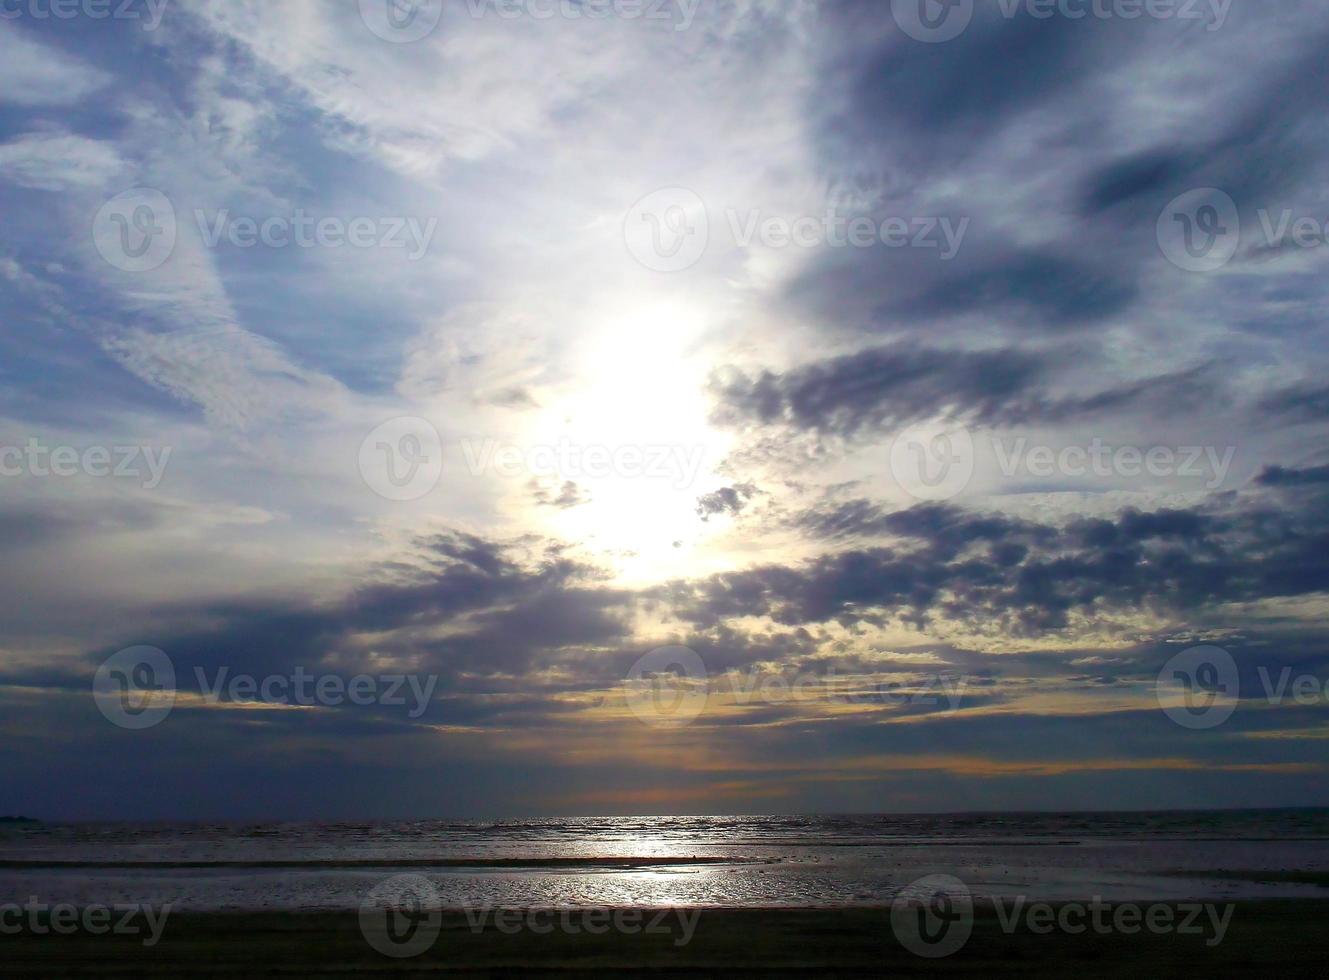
x=641 y=449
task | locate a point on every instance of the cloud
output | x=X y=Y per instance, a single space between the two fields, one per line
x=569 y=495
x=1279 y=476
x=881 y=387
x=876 y=387
x=726 y=500
x=39 y=75
x=1306 y=402
x=463 y=107
x=1261 y=146
x=1026 y=577
x=459 y=603
x=58 y=161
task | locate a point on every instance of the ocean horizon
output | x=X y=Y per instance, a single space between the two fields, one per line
x=719 y=861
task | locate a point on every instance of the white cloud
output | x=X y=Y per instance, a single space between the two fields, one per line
x=476 y=87
x=37 y=75
x=58 y=161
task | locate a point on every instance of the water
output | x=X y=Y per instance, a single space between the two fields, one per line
x=759 y=861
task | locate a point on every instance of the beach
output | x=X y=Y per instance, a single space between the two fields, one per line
x=1161 y=894
x=1283 y=939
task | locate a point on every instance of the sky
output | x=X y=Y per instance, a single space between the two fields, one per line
x=473 y=409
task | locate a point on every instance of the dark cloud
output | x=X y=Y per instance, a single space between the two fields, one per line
x=1027 y=285
x=1028 y=291
x=1143 y=174
x=726 y=500
x=27 y=524
x=519 y=398
x=1306 y=402
x=1025 y=577
x=949 y=529
x=894 y=91
x=569 y=495
x=1036 y=142
x=1278 y=476
x=880 y=386
x=892 y=105
x=1263 y=148
x=904 y=383
x=460 y=604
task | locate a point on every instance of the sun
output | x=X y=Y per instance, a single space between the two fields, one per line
x=628 y=448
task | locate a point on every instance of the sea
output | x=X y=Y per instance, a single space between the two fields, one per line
x=658 y=862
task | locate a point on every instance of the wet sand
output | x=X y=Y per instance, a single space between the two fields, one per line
x=1270 y=938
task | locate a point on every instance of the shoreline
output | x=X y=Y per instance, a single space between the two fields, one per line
x=617 y=863
x=1277 y=937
